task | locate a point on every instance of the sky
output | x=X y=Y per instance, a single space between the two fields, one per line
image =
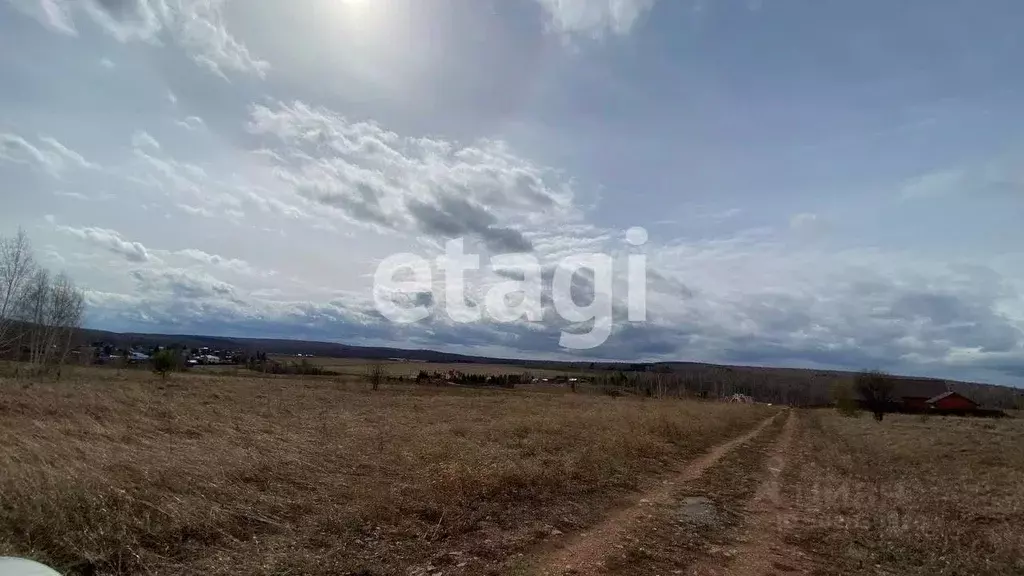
x=823 y=184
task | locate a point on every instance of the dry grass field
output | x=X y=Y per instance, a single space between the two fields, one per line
x=910 y=496
x=122 y=473
x=828 y=495
x=409 y=369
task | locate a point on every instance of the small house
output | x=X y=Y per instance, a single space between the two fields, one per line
x=951 y=401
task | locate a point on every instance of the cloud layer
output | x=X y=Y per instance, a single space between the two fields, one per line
x=596 y=18
x=196 y=25
x=424 y=186
x=812 y=202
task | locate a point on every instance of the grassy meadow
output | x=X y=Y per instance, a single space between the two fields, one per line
x=120 y=472
x=224 y=471
x=358 y=367
x=912 y=495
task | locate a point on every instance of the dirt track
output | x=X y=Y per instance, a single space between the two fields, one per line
x=760 y=550
x=584 y=553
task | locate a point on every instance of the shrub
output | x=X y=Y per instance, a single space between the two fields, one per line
x=164 y=362
x=875 y=387
x=845 y=399
x=375 y=373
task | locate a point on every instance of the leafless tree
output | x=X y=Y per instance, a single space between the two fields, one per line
x=33 y=303
x=875 y=387
x=37 y=309
x=65 y=311
x=52 y=311
x=376 y=374
x=17 y=266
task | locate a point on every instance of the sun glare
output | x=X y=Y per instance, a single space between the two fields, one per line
x=362 y=15
x=356 y=6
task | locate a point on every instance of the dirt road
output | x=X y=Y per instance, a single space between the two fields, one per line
x=584 y=553
x=760 y=549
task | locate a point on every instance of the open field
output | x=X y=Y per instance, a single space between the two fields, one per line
x=113 y=472
x=125 y=474
x=911 y=495
x=409 y=368
x=828 y=495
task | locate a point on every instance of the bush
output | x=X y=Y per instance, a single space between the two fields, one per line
x=875 y=387
x=376 y=374
x=164 y=362
x=261 y=363
x=845 y=399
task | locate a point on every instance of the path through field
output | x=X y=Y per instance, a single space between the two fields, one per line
x=760 y=550
x=584 y=553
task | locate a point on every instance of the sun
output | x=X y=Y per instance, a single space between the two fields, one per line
x=359 y=12
x=356 y=6
x=366 y=22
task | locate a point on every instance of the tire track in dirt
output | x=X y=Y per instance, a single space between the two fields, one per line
x=585 y=552
x=760 y=550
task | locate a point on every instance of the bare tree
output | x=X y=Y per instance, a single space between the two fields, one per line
x=17 y=266
x=65 y=311
x=34 y=302
x=875 y=387
x=51 y=310
x=376 y=374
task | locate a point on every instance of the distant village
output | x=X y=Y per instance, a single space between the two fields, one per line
x=106 y=353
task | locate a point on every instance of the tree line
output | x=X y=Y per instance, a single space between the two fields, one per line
x=39 y=311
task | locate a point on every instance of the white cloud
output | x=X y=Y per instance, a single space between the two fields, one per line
x=934 y=184
x=51 y=157
x=190 y=185
x=808 y=224
x=595 y=18
x=197 y=211
x=191 y=123
x=422 y=186
x=72 y=195
x=181 y=283
x=14 y=148
x=111 y=241
x=107 y=63
x=994 y=177
x=195 y=25
x=142 y=139
x=214 y=260
x=67 y=154
x=54 y=14
x=803 y=220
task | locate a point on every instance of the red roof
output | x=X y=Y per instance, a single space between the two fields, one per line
x=949 y=394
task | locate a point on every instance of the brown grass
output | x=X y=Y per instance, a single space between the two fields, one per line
x=911 y=495
x=409 y=369
x=124 y=474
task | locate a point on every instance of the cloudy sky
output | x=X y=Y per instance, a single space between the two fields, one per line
x=833 y=184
